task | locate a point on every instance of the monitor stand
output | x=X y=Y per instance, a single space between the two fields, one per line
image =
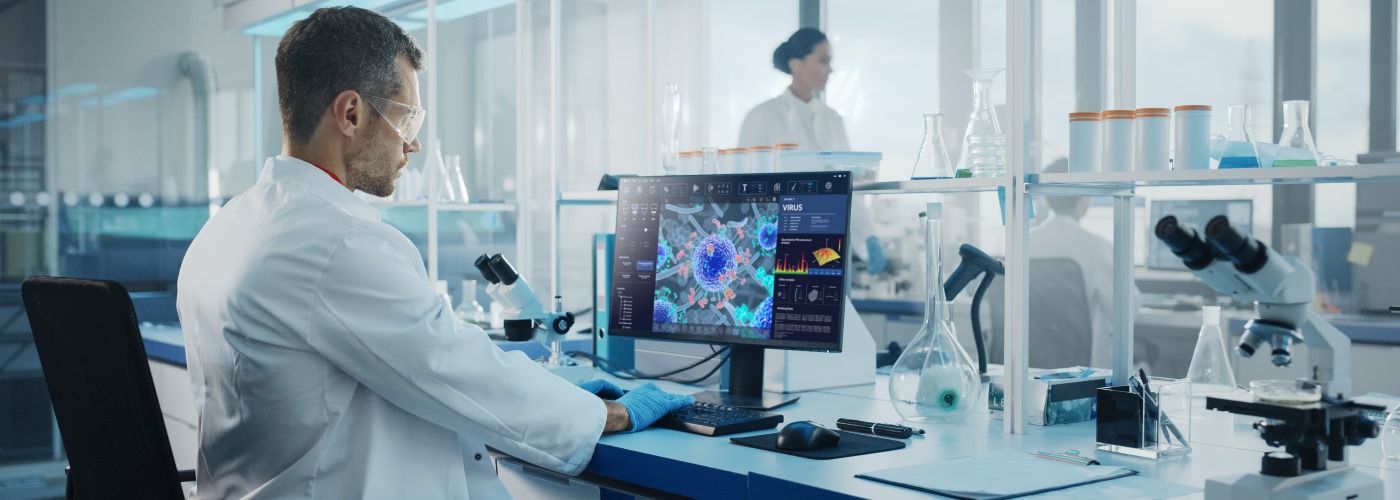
x=746 y=383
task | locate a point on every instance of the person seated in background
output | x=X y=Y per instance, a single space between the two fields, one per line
x=1062 y=236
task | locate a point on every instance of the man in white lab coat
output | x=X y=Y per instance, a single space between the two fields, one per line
x=1063 y=237
x=323 y=363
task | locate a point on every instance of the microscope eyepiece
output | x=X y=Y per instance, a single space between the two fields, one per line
x=1246 y=253
x=504 y=270
x=483 y=264
x=1184 y=243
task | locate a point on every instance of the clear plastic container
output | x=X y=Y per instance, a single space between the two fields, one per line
x=1192 y=137
x=1390 y=434
x=863 y=165
x=1084 y=141
x=1152 y=139
x=1118 y=140
x=761 y=159
x=689 y=163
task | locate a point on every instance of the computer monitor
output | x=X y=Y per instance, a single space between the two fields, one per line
x=1193 y=214
x=751 y=261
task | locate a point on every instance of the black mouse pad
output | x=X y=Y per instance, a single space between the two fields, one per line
x=850 y=445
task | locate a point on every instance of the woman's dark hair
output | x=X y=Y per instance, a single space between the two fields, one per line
x=334 y=50
x=797 y=46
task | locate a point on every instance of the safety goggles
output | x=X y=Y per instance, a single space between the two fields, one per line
x=406 y=119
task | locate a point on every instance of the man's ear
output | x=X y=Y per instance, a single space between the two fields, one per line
x=348 y=112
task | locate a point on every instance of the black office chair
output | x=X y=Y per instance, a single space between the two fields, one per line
x=1061 y=331
x=95 y=366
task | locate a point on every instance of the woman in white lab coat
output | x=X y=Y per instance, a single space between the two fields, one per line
x=798 y=116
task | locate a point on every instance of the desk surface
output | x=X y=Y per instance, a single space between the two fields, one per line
x=707 y=467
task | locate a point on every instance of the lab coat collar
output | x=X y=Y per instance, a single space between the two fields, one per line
x=289 y=169
x=792 y=100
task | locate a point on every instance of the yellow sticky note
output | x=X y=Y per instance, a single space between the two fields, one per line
x=1360 y=253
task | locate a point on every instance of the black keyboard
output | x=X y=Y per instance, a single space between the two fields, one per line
x=710 y=419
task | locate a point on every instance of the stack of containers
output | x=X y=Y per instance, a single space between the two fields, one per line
x=1152 y=139
x=1118 y=151
x=1084 y=141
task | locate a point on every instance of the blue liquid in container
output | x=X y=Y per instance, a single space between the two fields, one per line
x=1239 y=162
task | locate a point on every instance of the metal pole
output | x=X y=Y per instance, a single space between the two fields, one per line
x=1295 y=78
x=1019 y=39
x=1383 y=49
x=1090 y=55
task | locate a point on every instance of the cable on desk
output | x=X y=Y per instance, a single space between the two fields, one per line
x=629 y=374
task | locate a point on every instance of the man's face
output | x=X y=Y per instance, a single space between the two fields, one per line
x=379 y=156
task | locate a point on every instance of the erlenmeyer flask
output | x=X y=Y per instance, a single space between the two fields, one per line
x=982 y=125
x=670 y=128
x=710 y=161
x=932 y=162
x=1210 y=371
x=935 y=380
x=1295 y=144
x=1240 y=151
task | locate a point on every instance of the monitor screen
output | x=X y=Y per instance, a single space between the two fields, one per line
x=741 y=259
x=1193 y=214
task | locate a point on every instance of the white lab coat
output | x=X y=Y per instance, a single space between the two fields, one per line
x=786 y=119
x=1063 y=237
x=813 y=126
x=325 y=366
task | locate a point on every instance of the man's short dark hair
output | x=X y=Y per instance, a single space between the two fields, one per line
x=334 y=50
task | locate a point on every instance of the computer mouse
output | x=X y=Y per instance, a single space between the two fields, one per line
x=806 y=435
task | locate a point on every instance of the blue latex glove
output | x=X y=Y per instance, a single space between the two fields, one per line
x=602 y=388
x=877 y=255
x=647 y=404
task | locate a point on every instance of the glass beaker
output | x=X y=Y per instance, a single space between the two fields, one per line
x=670 y=128
x=1295 y=144
x=709 y=163
x=935 y=380
x=983 y=121
x=1240 y=151
x=470 y=311
x=1390 y=434
x=1210 y=371
x=932 y=162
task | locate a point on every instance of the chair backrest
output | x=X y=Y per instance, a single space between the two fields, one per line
x=95 y=366
x=1061 y=330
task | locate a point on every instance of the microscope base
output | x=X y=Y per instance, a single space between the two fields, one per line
x=1337 y=483
x=572 y=371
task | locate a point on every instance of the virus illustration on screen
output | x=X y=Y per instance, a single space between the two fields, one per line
x=714 y=268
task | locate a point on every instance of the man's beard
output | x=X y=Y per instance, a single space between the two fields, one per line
x=372 y=173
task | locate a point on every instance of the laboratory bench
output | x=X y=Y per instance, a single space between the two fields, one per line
x=661 y=462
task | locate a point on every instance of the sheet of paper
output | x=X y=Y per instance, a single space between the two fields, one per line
x=1135 y=487
x=998 y=474
x=1360 y=253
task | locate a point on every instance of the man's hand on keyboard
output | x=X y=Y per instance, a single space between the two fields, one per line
x=648 y=403
x=602 y=388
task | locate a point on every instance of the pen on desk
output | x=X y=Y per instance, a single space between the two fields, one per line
x=891 y=430
x=1068 y=457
